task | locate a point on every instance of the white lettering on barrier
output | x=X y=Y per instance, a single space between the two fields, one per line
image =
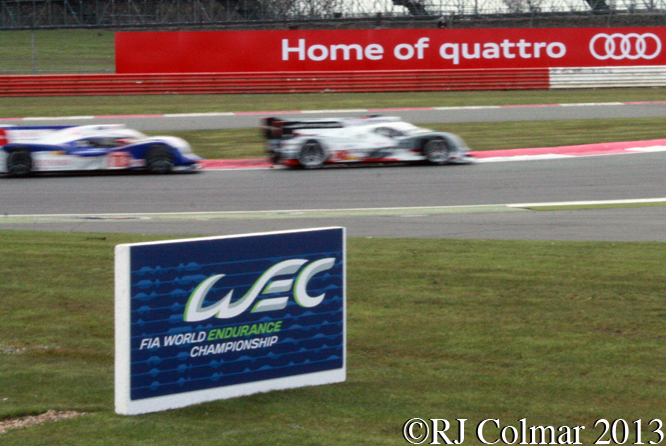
x=405 y=51
x=491 y=50
x=374 y=51
x=321 y=52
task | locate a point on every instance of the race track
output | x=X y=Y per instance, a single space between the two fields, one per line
x=404 y=201
x=431 y=201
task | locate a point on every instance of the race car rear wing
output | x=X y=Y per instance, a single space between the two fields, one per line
x=276 y=128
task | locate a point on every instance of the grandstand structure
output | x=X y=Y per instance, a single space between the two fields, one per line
x=326 y=14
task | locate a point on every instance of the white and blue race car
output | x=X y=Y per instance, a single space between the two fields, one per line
x=24 y=150
x=311 y=143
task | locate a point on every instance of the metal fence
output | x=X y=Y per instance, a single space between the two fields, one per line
x=35 y=14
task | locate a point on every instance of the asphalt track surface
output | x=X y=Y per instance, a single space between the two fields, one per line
x=398 y=201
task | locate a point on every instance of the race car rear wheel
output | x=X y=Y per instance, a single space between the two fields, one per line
x=159 y=159
x=311 y=155
x=19 y=163
x=437 y=151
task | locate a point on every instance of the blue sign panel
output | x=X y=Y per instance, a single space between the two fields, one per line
x=229 y=312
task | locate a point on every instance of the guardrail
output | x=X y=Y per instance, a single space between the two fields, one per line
x=281 y=82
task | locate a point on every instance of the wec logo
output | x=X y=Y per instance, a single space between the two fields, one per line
x=225 y=309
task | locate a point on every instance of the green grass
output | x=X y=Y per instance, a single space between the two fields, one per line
x=561 y=333
x=56 y=51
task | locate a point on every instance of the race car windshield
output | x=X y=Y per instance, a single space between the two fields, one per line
x=387 y=131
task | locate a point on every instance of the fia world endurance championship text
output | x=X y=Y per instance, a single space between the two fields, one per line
x=494 y=431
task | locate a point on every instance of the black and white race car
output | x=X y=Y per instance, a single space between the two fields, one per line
x=311 y=143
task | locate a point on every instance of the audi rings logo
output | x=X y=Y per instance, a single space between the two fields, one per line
x=630 y=46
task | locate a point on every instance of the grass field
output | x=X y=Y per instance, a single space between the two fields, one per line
x=57 y=51
x=562 y=334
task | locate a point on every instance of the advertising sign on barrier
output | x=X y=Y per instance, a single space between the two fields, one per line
x=386 y=49
x=211 y=318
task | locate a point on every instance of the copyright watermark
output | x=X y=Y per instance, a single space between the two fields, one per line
x=492 y=431
x=430 y=431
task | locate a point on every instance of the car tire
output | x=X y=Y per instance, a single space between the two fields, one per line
x=437 y=151
x=19 y=163
x=311 y=155
x=159 y=160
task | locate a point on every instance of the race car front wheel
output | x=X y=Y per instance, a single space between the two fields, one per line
x=159 y=159
x=19 y=163
x=437 y=151
x=311 y=155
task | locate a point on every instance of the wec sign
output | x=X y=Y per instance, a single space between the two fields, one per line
x=204 y=319
x=194 y=311
x=386 y=49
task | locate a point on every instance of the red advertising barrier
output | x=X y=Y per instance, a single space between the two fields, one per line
x=313 y=82
x=385 y=49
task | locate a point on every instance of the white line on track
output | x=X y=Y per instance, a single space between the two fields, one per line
x=590 y=203
x=318 y=213
x=591 y=104
x=545 y=156
x=649 y=149
x=196 y=115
